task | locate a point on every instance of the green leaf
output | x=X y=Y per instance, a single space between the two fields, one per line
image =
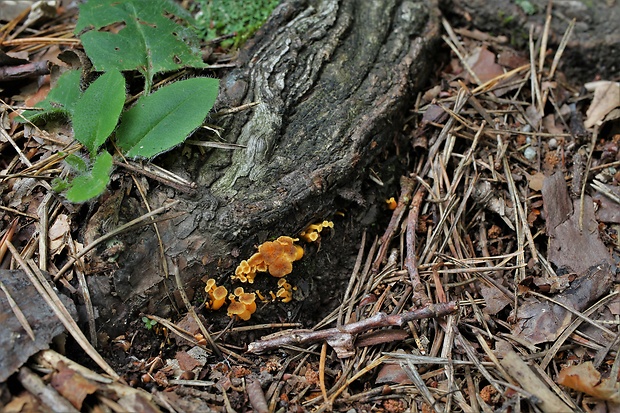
x=59 y=184
x=77 y=163
x=527 y=7
x=96 y=113
x=89 y=185
x=61 y=99
x=164 y=119
x=148 y=41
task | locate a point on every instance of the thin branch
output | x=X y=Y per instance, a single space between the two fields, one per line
x=342 y=338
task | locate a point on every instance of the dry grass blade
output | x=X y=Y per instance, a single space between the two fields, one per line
x=51 y=359
x=521 y=372
x=326 y=402
x=85 y=291
x=131 y=224
x=190 y=309
x=18 y=313
x=50 y=297
x=415 y=377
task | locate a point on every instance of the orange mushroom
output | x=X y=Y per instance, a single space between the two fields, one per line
x=245 y=307
x=218 y=297
x=235 y=308
x=245 y=272
x=285 y=292
x=280 y=254
x=217 y=294
x=391 y=203
x=273 y=256
x=312 y=231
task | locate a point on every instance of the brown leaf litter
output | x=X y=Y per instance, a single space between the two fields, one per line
x=509 y=208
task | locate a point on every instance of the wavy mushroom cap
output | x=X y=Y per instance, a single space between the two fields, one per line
x=218 y=297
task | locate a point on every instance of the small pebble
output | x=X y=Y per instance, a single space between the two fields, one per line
x=530 y=153
x=553 y=143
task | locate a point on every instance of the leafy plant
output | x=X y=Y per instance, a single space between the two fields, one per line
x=148 y=323
x=150 y=43
x=241 y=17
x=527 y=6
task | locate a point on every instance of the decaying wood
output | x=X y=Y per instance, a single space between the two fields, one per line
x=332 y=80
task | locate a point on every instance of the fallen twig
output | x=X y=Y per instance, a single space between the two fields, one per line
x=406 y=189
x=342 y=338
x=256 y=396
x=411 y=262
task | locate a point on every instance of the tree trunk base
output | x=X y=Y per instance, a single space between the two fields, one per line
x=332 y=81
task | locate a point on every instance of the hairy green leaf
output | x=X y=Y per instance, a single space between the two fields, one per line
x=61 y=99
x=96 y=113
x=148 y=40
x=164 y=119
x=93 y=183
x=59 y=184
x=76 y=163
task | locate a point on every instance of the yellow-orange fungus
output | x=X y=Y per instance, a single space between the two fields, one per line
x=217 y=295
x=279 y=255
x=391 y=203
x=311 y=233
x=245 y=272
x=245 y=267
x=210 y=285
x=276 y=257
x=300 y=252
x=260 y=296
x=235 y=308
x=249 y=300
x=256 y=260
x=280 y=268
x=245 y=307
x=285 y=292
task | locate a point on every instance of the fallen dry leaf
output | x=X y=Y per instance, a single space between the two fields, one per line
x=585 y=378
x=557 y=204
x=551 y=125
x=482 y=63
x=494 y=299
x=541 y=321
x=606 y=99
x=186 y=362
x=72 y=385
x=21 y=403
x=57 y=233
x=392 y=373
x=535 y=181
x=608 y=210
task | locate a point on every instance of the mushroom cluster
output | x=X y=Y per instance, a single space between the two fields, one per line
x=217 y=295
x=274 y=256
x=285 y=292
x=244 y=307
x=311 y=233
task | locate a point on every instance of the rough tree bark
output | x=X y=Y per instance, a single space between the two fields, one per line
x=332 y=80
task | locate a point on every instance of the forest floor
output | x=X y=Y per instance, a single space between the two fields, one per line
x=478 y=273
